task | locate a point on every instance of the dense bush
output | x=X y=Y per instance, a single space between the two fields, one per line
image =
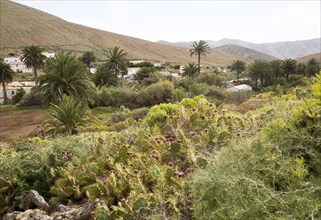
x=34 y=99
x=116 y=96
x=18 y=96
x=210 y=79
x=156 y=93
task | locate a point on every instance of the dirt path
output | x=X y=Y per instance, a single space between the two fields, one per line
x=16 y=123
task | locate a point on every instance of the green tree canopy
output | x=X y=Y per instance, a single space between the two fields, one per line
x=239 y=67
x=87 y=58
x=117 y=61
x=65 y=75
x=33 y=58
x=105 y=77
x=68 y=116
x=260 y=73
x=289 y=67
x=200 y=48
x=313 y=67
x=6 y=75
x=190 y=70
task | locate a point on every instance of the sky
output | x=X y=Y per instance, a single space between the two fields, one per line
x=175 y=21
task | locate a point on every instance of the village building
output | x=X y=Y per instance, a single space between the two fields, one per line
x=13 y=87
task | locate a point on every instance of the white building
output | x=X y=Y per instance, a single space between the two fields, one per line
x=48 y=54
x=13 y=87
x=17 y=65
x=136 y=61
x=238 y=88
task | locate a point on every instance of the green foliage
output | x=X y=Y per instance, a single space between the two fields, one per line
x=6 y=75
x=65 y=75
x=239 y=67
x=156 y=93
x=68 y=116
x=87 y=58
x=34 y=98
x=33 y=58
x=117 y=61
x=104 y=77
x=200 y=48
x=144 y=73
x=210 y=79
x=18 y=96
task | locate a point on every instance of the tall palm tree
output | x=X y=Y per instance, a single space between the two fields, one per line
x=117 y=61
x=87 y=58
x=64 y=74
x=68 y=116
x=238 y=66
x=6 y=75
x=190 y=70
x=200 y=48
x=33 y=58
x=289 y=67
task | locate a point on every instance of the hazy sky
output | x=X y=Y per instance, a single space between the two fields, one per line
x=254 y=21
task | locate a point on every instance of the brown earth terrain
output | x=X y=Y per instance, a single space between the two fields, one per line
x=16 y=123
x=22 y=26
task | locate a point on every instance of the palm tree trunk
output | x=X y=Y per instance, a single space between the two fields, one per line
x=35 y=73
x=199 y=63
x=5 y=96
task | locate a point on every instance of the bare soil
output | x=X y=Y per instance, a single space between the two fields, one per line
x=17 y=123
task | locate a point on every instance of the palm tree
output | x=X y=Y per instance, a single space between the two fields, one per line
x=6 y=75
x=199 y=48
x=260 y=73
x=33 y=58
x=64 y=74
x=238 y=66
x=87 y=58
x=117 y=61
x=190 y=70
x=68 y=116
x=104 y=77
x=289 y=67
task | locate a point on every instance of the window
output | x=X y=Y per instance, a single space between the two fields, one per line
x=12 y=92
x=16 y=65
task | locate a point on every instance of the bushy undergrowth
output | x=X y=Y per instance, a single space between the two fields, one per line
x=189 y=160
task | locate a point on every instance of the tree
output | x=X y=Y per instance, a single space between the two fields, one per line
x=238 y=66
x=313 y=67
x=87 y=58
x=190 y=70
x=33 y=58
x=301 y=68
x=68 y=116
x=289 y=67
x=260 y=73
x=200 y=48
x=117 y=61
x=6 y=75
x=64 y=74
x=104 y=77
x=276 y=68
x=144 y=73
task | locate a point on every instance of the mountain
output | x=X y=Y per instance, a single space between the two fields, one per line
x=22 y=25
x=305 y=59
x=242 y=53
x=282 y=50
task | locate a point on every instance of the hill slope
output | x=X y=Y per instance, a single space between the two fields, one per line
x=289 y=49
x=243 y=53
x=305 y=59
x=22 y=25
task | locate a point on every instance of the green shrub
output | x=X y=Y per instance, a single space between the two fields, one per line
x=255 y=180
x=116 y=97
x=210 y=79
x=33 y=99
x=18 y=96
x=216 y=92
x=156 y=93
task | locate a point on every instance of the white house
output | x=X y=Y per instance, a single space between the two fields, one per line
x=48 y=54
x=17 y=65
x=238 y=88
x=12 y=88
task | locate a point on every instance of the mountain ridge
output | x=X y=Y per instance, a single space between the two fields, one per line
x=282 y=49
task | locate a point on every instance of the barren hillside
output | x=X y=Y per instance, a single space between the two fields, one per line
x=22 y=25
